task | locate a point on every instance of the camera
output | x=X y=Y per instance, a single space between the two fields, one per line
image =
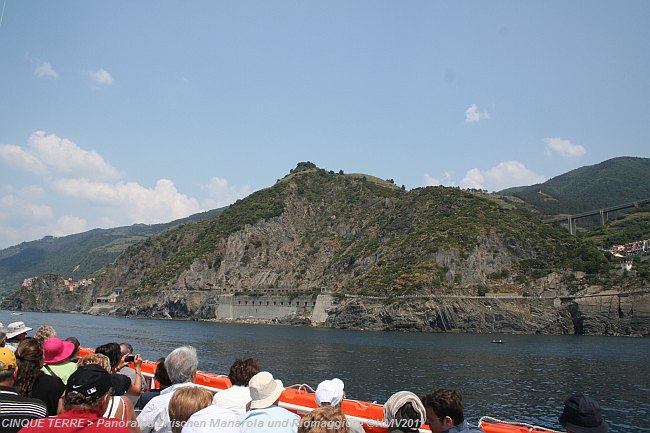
x=129 y=358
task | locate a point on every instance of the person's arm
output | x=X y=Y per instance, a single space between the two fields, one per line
x=128 y=415
x=136 y=386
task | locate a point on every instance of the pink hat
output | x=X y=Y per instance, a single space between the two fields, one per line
x=56 y=350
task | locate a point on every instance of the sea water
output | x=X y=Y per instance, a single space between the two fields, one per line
x=526 y=378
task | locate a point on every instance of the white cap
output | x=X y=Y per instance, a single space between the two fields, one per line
x=330 y=391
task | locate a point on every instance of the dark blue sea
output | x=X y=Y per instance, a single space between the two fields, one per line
x=526 y=378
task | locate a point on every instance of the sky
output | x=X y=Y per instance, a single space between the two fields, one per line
x=122 y=112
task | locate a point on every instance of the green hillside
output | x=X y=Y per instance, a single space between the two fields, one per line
x=354 y=234
x=89 y=251
x=612 y=182
x=625 y=229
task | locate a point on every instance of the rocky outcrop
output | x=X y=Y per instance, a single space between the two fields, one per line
x=611 y=313
x=49 y=293
x=453 y=315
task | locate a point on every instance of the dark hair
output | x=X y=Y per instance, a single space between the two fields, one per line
x=76 y=343
x=406 y=418
x=241 y=372
x=84 y=403
x=29 y=357
x=112 y=351
x=445 y=402
x=161 y=374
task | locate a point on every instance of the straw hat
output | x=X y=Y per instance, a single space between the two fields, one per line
x=264 y=390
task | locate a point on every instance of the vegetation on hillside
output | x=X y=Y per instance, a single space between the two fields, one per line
x=380 y=239
x=612 y=182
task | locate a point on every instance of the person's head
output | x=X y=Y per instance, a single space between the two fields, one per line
x=161 y=376
x=265 y=391
x=44 y=332
x=112 y=351
x=330 y=393
x=56 y=350
x=404 y=410
x=444 y=409
x=29 y=355
x=17 y=331
x=181 y=364
x=96 y=359
x=126 y=349
x=76 y=343
x=88 y=389
x=582 y=415
x=186 y=402
x=8 y=367
x=242 y=371
x=326 y=419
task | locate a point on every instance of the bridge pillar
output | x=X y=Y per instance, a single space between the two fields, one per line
x=602 y=217
x=571 y=222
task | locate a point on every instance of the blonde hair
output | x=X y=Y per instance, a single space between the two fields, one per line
x=95 y=358
x=44 y=332
x=186 y=402
x=326 y=419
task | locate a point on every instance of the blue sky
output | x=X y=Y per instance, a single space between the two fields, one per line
x=113 y=113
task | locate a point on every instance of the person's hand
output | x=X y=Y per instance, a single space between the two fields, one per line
x=138 y=363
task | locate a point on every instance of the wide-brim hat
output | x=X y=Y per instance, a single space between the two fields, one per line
x=56 y=350
x=264 y=390
x=16 y=328
x=582 y=415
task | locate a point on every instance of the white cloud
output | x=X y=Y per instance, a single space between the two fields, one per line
x=101 y=76
x=22 y=214
x=472 y=114
x=434 y=181
x=43 y=68
x=52 y=155
x=130 y=202
x=67 y=225
x=221 y=194
x=16 y=156
x=503 y=175
x=564 y=147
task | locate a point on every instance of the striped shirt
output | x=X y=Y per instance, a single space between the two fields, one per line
x=17 y=411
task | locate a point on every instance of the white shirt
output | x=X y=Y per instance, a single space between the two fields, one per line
x=234 y=398
x=213 y=419
x=154 y=418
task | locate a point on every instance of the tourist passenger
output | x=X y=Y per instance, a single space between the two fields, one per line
x=75 y=355
x=86 y=399
x=332 y=393
x=186 y=402
x=32 y=382
x=121 y=384
x=127 y=351
x=582 y=415
x=15 y=410
x=444 y=412
x=118 y=407
x=238 y=396
x=16 y=332
x=264 y=415
x=44 y=332
x=212 y=419
x=181 y=365
x=56 y=354
x=160 y=376
x=326 y=419
x=404 y=413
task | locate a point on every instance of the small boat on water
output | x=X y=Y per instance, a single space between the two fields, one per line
x=15 y=313
x=497 y=341
x=301 y=399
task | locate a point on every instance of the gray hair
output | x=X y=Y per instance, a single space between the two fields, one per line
x=181 y=363
x=6 y=374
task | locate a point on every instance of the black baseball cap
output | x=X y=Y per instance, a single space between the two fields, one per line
x=582 y=415
x=90 y=380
